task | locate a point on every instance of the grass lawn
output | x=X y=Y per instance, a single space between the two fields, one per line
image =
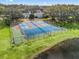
x=45 y=19
x=4 y=38
x=32 y=48
x=67 y=25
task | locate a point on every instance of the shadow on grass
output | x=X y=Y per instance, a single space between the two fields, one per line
x=2 y=25
x=65 y=50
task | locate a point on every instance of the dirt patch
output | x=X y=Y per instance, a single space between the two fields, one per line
x=65 y=50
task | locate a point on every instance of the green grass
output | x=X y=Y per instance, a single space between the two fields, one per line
x=33 y=47
x=4 y=38
x=72 y=25
x=45 y=19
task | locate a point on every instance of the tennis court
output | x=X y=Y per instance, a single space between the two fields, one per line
x=33 y=28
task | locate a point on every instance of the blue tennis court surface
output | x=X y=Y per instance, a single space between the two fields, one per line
x=32 y=28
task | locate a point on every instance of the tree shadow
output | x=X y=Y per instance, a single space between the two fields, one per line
x=2 y=25
x=68 y=49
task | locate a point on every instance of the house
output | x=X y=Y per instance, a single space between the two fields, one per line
x=37 y=13
x=26 y=15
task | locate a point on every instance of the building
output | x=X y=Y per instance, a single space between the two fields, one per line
x=26 y=15
x=37 y=13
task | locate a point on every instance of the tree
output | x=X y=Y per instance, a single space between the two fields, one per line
x=2 y=8
x=31 y=17
x=11 y=16
x=7 y=20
